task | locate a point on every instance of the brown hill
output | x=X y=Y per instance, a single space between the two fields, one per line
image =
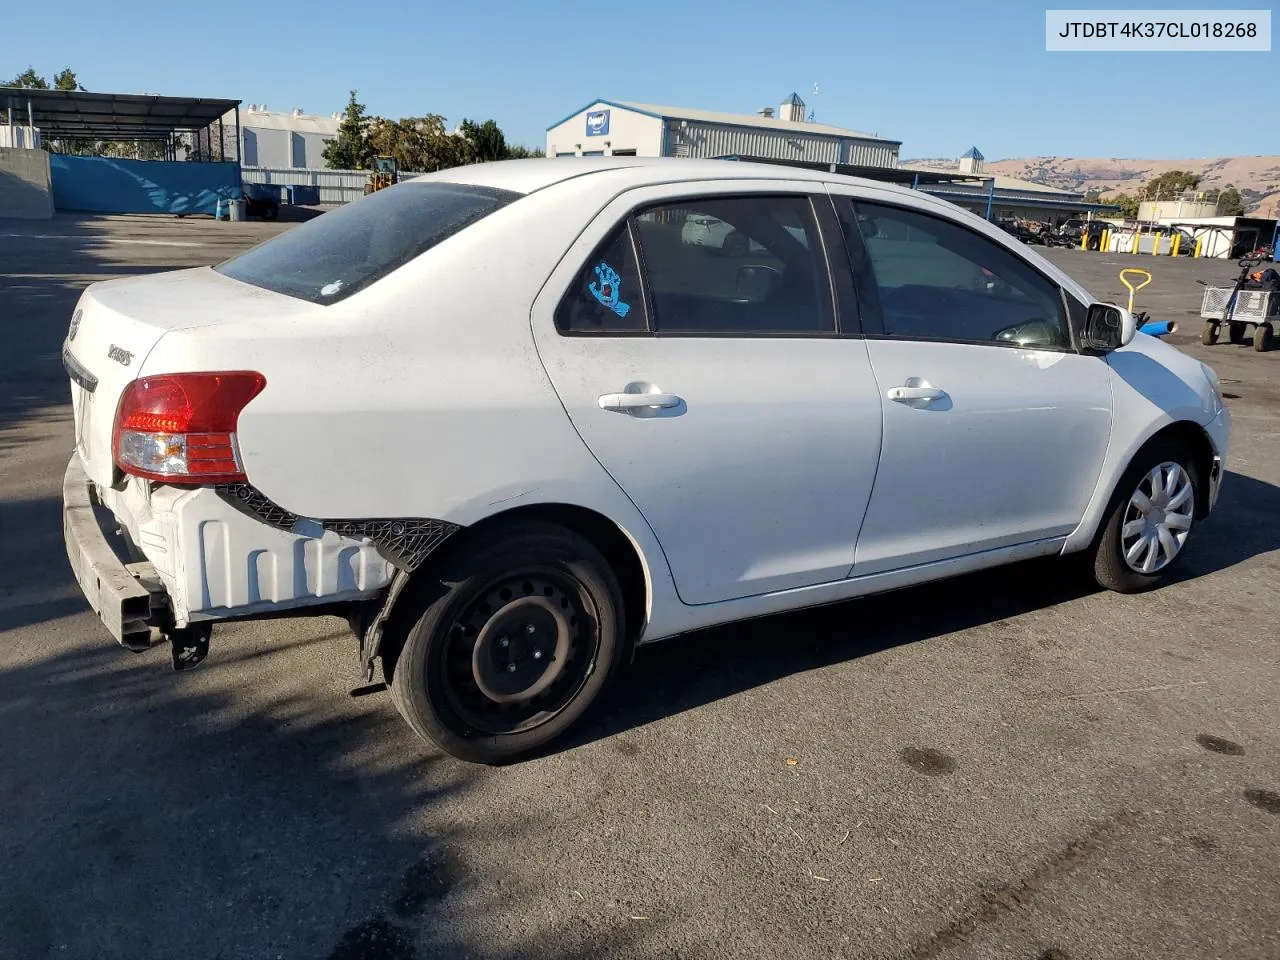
x=1257 y=178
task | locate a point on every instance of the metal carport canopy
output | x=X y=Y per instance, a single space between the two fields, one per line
x=121 y=116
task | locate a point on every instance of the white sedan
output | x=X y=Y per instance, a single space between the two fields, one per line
x=510 y=424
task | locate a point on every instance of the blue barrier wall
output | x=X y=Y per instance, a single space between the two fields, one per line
x=109 y=185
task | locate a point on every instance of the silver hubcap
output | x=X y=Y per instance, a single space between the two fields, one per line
x=1158 y=519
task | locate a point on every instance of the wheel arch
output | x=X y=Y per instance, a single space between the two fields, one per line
x=1195 y=438
x=1186 y=432
x=615 y=543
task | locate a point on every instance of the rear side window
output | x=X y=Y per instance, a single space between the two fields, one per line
x=327 y=259
x=742 y=266
x=606 y=295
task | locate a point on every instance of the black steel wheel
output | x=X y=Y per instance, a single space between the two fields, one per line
x=1209 y=333
x=520 y=652
x=514 y=642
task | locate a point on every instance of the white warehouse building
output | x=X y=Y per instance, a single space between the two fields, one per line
x=622 y=128
x=274 y=139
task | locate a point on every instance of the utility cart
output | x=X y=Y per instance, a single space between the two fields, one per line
x=1251 y=302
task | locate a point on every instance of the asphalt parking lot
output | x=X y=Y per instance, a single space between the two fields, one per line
x=1006 y=765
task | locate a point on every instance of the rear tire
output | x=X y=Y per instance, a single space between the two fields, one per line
x=1237 y=332
x=1262 y=337
x=1118 y=556
x=516 y=636
x=1209 y=333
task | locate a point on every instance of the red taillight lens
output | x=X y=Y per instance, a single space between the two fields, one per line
x=181 y=427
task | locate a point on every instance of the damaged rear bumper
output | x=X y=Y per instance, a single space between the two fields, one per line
x=202 y=559
x=113 y=587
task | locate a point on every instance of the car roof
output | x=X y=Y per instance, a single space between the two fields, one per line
x=526 y=176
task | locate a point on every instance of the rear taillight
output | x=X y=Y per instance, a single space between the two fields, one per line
x=181 y=427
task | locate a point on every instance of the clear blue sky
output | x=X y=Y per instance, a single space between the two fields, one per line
x=938 y=76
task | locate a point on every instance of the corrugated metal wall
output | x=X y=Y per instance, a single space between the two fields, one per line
x=336 y=186
x=869 y=153
x=719 y=140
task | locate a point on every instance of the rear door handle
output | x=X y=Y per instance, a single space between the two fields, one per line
x=904 y=394
x=624 y=402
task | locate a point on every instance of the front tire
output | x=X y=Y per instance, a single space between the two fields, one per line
x=1149 y=520
x=1262 y=337
x=1209 y=333
x=518 y=635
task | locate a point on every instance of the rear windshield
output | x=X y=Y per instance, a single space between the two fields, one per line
x=331 y=257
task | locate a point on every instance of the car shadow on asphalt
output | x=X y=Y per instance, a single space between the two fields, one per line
x=150 y=815
x=686 y=672
x=234 y=811
x=1245 y=524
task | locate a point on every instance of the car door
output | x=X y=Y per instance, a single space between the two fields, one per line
x=720 y=390
x=995 y=426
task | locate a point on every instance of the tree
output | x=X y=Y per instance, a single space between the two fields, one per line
x=485 y=139
x=350 y=149
x=518 y=152
x=1169 y=186
x=28 y=79
x=1127 y=203
x=1230 y=202
x=419 y=144
x=66 y=80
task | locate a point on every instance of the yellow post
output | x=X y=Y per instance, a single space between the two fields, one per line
x=1177 y=242
x=1155 y=244
x=1105 y=244
x=1199 y=242
x=1084 y=239
x=1137 y=242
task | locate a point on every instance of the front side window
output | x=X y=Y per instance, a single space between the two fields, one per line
x=937 y=280
x=335 y=255
x=741 y=265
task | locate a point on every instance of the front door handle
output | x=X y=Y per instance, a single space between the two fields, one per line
x=625 y=402
x=906 y=394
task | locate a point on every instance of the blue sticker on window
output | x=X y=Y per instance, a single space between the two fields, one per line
x=605 y=289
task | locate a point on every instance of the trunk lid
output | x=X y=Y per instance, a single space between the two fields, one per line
x=117 y=324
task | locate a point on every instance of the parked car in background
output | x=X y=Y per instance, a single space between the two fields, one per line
x=704 y=231
x=1075 y=230
x=510 y=423
x=1022 y=231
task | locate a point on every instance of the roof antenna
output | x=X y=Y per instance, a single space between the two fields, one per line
x=812 y=113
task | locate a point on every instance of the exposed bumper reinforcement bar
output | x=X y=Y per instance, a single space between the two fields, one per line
x=110 y=585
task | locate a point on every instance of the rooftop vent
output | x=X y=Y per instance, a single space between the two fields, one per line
x=766 y=112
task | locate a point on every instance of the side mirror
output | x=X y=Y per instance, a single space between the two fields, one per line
x=757 y=283
x=1108 y=327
